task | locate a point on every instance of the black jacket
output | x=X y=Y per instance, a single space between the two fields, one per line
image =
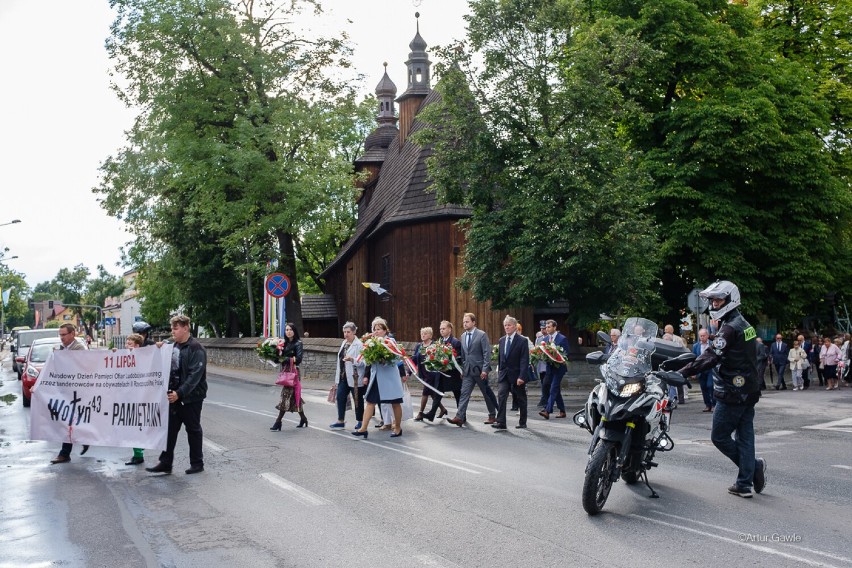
x=192 y=372
x=293 y=349
x=733 y=357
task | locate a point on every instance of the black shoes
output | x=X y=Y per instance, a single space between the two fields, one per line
x=363 y=434
x=498 y=426
x=84 y=450
x=740 y=491
x=135 y=461
x=759 y=475
x=396 y=434
x=194 y=469
x=521 y=426
x=159 y=468
x=303 y=423
x=60 y=459
x=277 y=426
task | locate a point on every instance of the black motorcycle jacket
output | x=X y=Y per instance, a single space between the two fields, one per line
x=733 y=357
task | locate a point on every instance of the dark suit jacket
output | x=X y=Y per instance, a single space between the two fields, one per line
x=779 y=356
x=558 y=371
x=513 y=365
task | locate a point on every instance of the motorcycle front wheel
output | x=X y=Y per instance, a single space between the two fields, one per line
x=599 y=477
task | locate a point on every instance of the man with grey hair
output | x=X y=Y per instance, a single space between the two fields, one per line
x=614 y=336
x=514 y=358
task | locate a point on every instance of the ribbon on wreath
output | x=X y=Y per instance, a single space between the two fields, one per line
x=559 y=359
x=394 y=348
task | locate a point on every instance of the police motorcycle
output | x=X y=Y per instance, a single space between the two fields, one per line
x=628 y=413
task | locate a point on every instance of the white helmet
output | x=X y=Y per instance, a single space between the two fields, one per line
x=725 y=290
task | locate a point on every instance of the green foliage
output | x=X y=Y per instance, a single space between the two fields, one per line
x=744 y=187
x=16 y=312
x=531 y=141
x=243 y=131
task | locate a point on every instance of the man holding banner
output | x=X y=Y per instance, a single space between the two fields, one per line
x=102 y=398
x=68 y=339
x=187 y=391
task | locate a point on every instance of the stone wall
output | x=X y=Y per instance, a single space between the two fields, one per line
x=320 y=359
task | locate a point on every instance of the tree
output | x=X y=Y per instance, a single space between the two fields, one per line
x=16 y=311
x=239 y=123
x=744 y=186
x=531 y=141
x=98 y=289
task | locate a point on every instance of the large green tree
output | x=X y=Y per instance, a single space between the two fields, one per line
x=744 y=186
x=527 y=134
x=240 y=126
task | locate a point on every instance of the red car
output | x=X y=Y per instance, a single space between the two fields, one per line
x=32 y=365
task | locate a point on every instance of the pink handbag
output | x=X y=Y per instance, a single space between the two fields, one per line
x=288 y=378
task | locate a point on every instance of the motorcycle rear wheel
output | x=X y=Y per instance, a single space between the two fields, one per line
x=599 y=477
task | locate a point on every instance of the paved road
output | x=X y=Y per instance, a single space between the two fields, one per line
x=439 y=496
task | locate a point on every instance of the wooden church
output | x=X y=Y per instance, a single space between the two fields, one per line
x=405 y=240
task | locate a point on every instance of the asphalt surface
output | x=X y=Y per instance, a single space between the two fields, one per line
x=438 y=496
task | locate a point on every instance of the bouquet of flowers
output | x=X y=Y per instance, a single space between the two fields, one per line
x=550 y=353
x=439 y=357
x=375 y=352
x=271 y=350
x=495 y=351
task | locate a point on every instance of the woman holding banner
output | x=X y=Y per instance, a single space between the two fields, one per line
x=291 y=397
x=385 y=384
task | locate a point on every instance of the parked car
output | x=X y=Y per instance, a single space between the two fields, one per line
x=37 y=356
x=22 y=344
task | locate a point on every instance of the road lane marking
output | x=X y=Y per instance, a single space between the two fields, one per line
x=214 y=447
x=780 y=433
x=434 y=561
x=844 y=425
x=733 y=531
x=300 y=493
x=477 y=465
x=843 y=466
x=347 y=436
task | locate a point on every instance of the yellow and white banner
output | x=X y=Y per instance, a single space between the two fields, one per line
x=104 y=398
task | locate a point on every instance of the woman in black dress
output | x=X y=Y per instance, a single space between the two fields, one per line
x=293 y=352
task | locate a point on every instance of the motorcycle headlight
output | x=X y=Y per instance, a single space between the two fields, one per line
x=631 y=389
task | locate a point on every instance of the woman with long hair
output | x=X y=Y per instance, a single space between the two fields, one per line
x=291 y=397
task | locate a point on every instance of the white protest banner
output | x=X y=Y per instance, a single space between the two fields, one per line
x=104 y=398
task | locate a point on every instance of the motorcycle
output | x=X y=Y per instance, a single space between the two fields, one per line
x=629 y=411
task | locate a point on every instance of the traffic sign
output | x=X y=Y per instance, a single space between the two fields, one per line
x=695 y=302
x=277 y=285
x=109 y=321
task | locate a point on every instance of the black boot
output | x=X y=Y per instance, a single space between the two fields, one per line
x=277 y=426
x=303 y=421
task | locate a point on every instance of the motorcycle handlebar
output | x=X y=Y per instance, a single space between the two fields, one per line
x=673 y=378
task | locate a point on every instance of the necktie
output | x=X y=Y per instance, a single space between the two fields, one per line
x=508 y=343
x=468 y=341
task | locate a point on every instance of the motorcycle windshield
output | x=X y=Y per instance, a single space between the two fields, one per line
x=635 y=347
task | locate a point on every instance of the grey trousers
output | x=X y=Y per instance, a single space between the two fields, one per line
x=468 y=382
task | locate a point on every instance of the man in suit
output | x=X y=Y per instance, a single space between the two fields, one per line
x=806 y=346
x=477 y=362
x=555 y=372
x=614 y=336
x=705 y=378
x=778 y=352
x=762 y=362
x=68 y=340
x=514 y=358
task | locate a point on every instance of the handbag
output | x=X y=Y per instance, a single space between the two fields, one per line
x=288 y=378
x=332 y=394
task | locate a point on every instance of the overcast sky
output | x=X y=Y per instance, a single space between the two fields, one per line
x=61 y=120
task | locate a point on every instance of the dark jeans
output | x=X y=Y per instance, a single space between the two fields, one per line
x=66 y=450
x=520 y=393
x=343 y=390
x=806 y=381
x=189 y=416
x=739 y=420
x=707 y=391
x=545 y=389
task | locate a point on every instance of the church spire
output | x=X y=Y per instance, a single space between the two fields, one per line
x=418 y=64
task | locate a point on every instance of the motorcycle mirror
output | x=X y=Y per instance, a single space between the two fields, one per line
x=604 y=337
x=596 y=358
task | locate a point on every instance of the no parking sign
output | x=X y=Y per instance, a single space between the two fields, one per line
x=277 y=285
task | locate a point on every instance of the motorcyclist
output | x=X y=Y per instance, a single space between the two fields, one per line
x=143 y=329
x=732 y=356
